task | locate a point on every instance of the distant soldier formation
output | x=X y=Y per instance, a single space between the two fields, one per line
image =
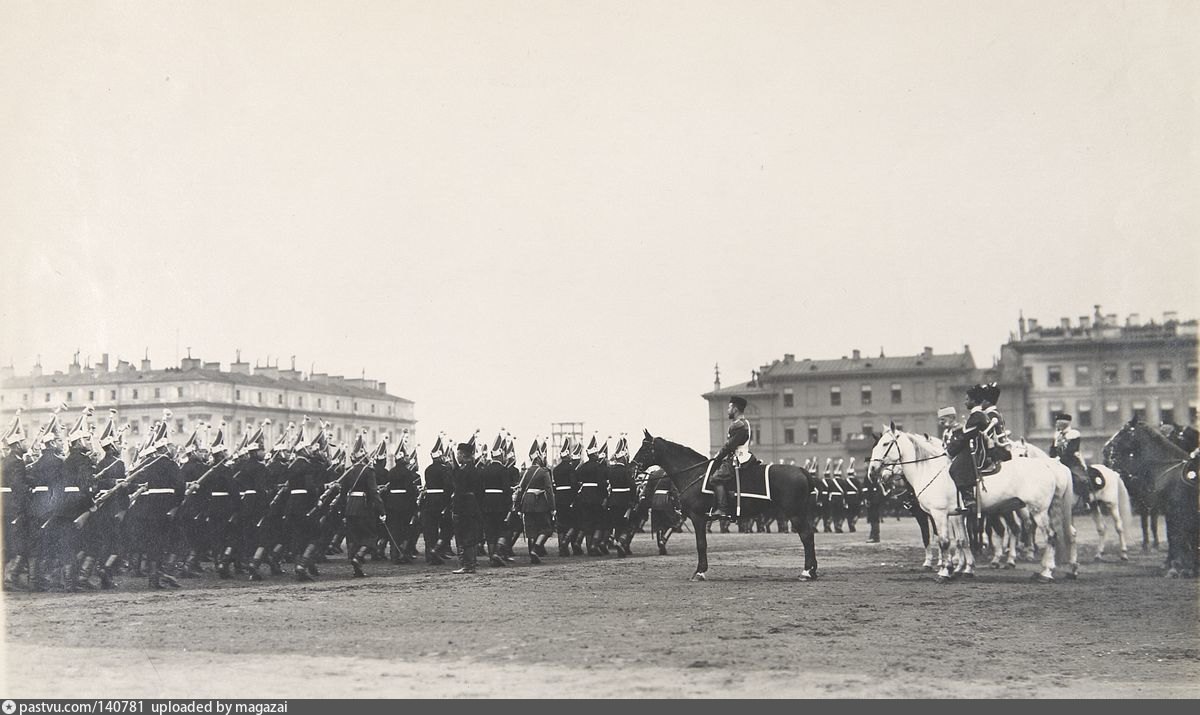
x=79 y=515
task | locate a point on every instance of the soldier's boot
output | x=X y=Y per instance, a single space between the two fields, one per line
x=305 y=568
x=37 y=578
x=432 y=557
x=494 y=558
x=106 y=572
x=720 y=508
x=601 y=541
x=468 y=560
x=539 y=544
x=533 y=554
x=259 y=554
x=626 y=541
x=967 y=496
x=577 y=544
x=504 y=550
x=138 y=566
x=274 y=559
x=155 y=578
x=874 y=536
x=166 y=580
x=662 y=543
x=357 y=562
x=592 y=550
x=11 y=571
x=84 y=577
x=564 y=548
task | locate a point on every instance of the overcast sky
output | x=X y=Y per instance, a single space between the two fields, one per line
x=517 y=213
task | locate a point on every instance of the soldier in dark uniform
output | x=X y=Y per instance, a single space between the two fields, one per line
x=620 y=503
x=103 y=529
x=306 y=479
x=535 y=495
x=496 y=500
x=363 y=505
x=1065 y=448
x=14 y=485
x=995 y=435
x=400 y=490
x=662 y=500
x=592 y=477
x=435 y=500
x=565 y=486
x=76 y=498
x=189 y=517
x=736 y=447
x=514 y=523
x=217 y=499
x=254 y=490
x=968 y=448
x=158 y=489
x=46 y=484
x=465 y=506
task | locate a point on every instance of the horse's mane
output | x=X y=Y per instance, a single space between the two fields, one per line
x=683 y=448
x=1158 y=438
x=926 y=447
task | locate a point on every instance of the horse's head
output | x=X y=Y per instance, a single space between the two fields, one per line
x=647 y=454
x=885 y=453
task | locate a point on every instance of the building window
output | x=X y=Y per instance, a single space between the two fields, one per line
x=1110 y=374
x=70 y=395
x=237 y=394
x=112 y=395
x=48 y=395
x=1166 y=372
x=179 y=426
x=356 y=407
x=91 y=395
x=1137 y=373
x=339 y=433
x=789 y=435
x=279 y=399
x=814 y=434
x=1028 y=375
x=237 y=427
x=300 y=401
x=1055 y=408
x=1192 y=415
x=1083 y=375
x=1085 y=414
x=157 y=393
x=1139 y=411
x=135 y=427
x=1166 y=414
x=372 y=408
x=179 y=392
x=835 y=395
x=319 y=401
x=260 y=398
x=337 y=404
x=939 y=389
x=789 y=398
x=135 y=393
x=868 y=430
x=754 y=433
x=897 y=393
x=835 y=432
x=899 y=426
x=866 y=394
x=1191 y=370
x=1054 y=375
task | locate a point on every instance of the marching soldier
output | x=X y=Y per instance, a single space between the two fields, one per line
x=589 y=500
x=363 y=505
x=737 y=446
x=14 y=486
x=218 y=497
x=189 y=517
x=252 y=481
x=46 y=483
x=465 y=507
x=75 y=499
x=400 y=489
x=565 y=486
x=535 y=495
x=620 y=503
x=435 y=501
x=158 y=490
x=662 y=499
x=305 y=481
x=496 y=499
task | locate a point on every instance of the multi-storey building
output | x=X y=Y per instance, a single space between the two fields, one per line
x=199 y=391
x=1105 y=373
x=832 y=408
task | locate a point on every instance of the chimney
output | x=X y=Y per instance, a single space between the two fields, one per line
x=1066 y=323
x=189 y=362
x=381 y=386
x=268 y=371
x=1170 y=316
x=102 y=366
x=1033 y=325
x=1084 y=322
x=36 y=370
x=74 y=369
x=237 y=366
x=145 y=365
x=789 y=358
x=124 y=366
x=716 y=376
x=1133 y=321
x=856 y=353
x=1110 y=320
x=212 y=366
x=927 y=352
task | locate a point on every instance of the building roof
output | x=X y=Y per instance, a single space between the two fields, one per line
x=798 y=369
x=331 y=386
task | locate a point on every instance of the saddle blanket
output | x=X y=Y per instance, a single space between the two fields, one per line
x=755 y=481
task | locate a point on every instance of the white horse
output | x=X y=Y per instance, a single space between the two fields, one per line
x=1042 y=485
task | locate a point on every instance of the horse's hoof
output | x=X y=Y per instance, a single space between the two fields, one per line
x=807 y=575
x=1039 y=578
x=927 y=567
x=968 y=574
x=1098 y=557
x=1124 y=556
x=1172 y=572
x=995 y=564
x=1010 y=565
x=699 y=576
x=944 y=577
x=1071 y=575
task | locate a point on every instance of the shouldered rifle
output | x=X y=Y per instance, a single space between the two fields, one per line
x=327 y=497
x=103 y=497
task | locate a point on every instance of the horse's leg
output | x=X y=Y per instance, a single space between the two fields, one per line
x=1014 y=536
x=1154 y=527
x=1145 y=514
x=1098 y=518
x=967 y=567
x=1119 y=524
x=699 y=523
x=1042 y=520
x=941 y=521
x=805 y=528
x=923 y=522
x=995 y=528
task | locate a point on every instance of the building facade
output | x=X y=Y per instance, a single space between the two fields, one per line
x=198 y=391
x=806 y=408
x=1105 y=373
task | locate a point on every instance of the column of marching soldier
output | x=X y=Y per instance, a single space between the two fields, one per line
x=74 y=511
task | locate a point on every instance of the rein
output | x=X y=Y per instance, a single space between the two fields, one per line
x=915 y=461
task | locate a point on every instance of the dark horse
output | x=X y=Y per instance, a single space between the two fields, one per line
x=1143 y=451
x=791 y=497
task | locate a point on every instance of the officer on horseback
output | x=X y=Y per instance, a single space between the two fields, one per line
x=1066 y=449
x=994 y=434
x=737 y=446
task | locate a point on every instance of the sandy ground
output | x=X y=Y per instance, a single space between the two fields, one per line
x=874 y=625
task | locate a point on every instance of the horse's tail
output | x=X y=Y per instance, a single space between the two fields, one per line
x=1124 y=505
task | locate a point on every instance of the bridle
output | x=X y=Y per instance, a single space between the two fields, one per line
x=900 y=461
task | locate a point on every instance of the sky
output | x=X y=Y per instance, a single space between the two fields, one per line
x=517 y=213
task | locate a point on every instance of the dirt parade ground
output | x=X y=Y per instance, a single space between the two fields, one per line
x=875 y=624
